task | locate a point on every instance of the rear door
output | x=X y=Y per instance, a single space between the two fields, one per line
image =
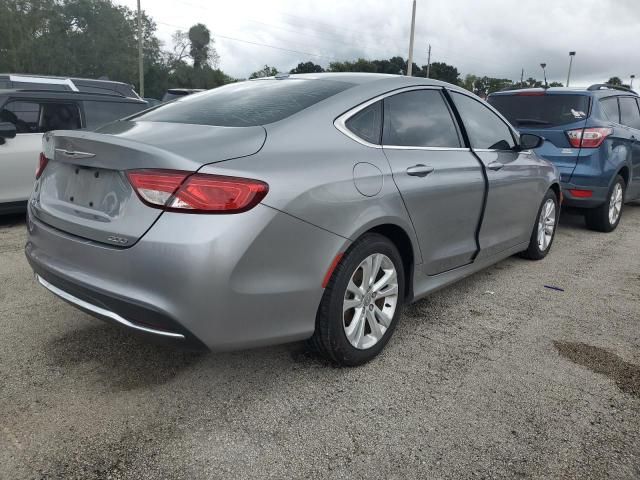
x=440 y=181
x=630 y=118
x=549 y=115
x=515 y=185
x=19 y=155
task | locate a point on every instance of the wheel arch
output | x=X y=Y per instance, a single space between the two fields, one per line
x=625 y=173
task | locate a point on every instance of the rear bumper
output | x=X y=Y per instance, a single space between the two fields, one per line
x=598 y=196
x=222 y=282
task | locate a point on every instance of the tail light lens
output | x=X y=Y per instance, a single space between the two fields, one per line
x=196 y=193
x=588 y=137
x=42 y=163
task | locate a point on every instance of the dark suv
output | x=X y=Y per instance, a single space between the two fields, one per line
x=593 y=137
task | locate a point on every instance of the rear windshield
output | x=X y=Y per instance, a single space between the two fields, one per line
x=246 y=104
x=541 y=111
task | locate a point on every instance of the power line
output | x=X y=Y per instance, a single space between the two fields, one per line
x=217 y=35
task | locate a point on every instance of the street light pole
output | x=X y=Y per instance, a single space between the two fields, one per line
x=571 y=55
x=140 y=62
x=413 y=28
x=631 y=84
x=544 y=71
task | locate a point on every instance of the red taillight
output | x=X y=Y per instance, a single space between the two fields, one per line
x=580 y=193
x=196 y=193
x=588 y=137
x=42 y=163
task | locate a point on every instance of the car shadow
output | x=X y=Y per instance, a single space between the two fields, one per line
x=12 y=220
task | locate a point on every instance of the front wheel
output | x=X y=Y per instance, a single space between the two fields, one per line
x=606 y=217
x=544 y=229
x=361 y=303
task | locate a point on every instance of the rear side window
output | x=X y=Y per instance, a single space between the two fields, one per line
x=39 y=117
x=485 y=129
x=367 y=123
x=540 y=110
x=419 y=118
x=610 y=108
x=101 y=113
x=629 y=113
x=246 y=104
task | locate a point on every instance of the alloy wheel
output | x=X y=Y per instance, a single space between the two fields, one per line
x=546 y=224
x=615 y=203
x=370 y=301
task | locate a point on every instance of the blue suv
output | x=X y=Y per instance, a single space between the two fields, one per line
x=593 y=137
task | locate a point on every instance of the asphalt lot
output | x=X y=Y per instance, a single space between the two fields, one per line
x=523 y=382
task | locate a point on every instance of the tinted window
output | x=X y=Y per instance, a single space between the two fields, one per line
x=629 y=113
x=541 y=110
x=101 y=113
x=610 y=108
x=40 y=117
x=367 y=123
x=246 y=104
x=419 y=118
x=485 y=128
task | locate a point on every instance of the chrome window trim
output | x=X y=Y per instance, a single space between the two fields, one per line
x=340 y=122
x=101 y=311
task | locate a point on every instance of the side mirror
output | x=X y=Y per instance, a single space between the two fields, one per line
x=528 y=141
x=7 y=130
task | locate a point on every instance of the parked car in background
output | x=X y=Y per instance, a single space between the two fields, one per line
x=68 y=84
x=281 y=209
x=26 y=114
x=174 y=93
x=593 y=137
x=152 y=102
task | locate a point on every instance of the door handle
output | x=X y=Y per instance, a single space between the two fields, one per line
x=495 y=166
x=419 y=170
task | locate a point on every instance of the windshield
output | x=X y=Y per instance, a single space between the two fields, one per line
x=541 y=110
x=246 y=104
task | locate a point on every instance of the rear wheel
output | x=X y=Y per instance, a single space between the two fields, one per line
x=544 y=229
x=606 y=217
x=362 y=302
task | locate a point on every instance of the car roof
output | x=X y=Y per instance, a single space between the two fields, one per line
x=587 y=91
x=66 y=95
x=357 y=78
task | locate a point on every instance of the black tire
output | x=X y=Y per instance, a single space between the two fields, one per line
x=533 y=251
x=598 y=218
x=329 y=338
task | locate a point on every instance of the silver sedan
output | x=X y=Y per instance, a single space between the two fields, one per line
x=302 y=207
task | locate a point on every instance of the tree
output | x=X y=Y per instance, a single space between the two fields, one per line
x=614 y=81
x=441 y=71
x=556 y=84
x=267 y=71
x=201 y=47
x=307 y=67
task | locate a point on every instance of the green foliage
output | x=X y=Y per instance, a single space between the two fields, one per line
x=614 y=81
x=483 y=86
x=441 y=71
x=307 y=67
x=267 y=71
x=556 y=84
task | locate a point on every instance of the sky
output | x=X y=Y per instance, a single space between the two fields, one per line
x=497 y=38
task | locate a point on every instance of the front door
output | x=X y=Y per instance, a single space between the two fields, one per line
x=441 y=182
x=515 y=187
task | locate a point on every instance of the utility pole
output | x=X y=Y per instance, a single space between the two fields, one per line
x=140 y=62
x=429 y=62
x=413 y=29
x=631 y=84
x=571 y=55
x=544 y=70
x=522 y=78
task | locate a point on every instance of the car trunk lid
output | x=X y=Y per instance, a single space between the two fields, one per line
x=84 y=188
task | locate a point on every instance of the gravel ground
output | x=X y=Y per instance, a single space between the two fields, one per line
x=494 y=377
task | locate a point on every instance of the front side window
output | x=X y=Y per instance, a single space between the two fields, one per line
x=39 y=117
x=610 y=108
x=367 y=123
x=629 y=113
x=246 y=104
x=485 y=129
x=419 y=118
